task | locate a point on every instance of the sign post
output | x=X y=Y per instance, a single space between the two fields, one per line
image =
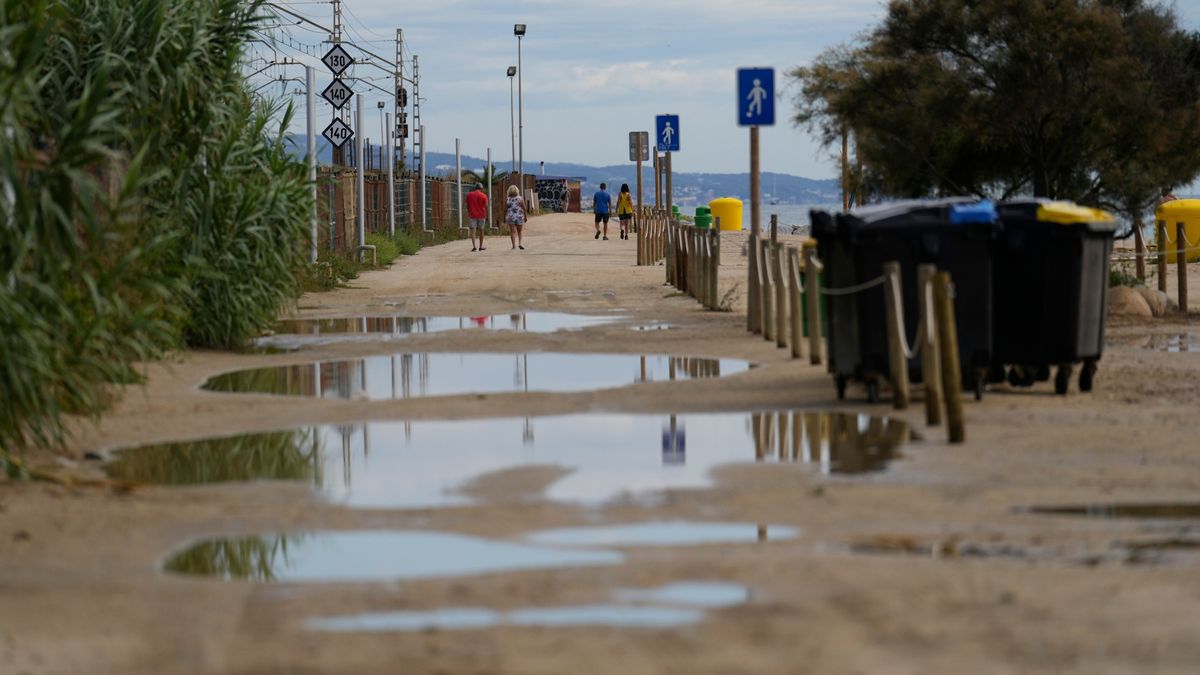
x=666 y=134
x=639 y=151
x=756 y=107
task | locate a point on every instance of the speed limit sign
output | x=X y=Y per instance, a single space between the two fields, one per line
x=337 y=133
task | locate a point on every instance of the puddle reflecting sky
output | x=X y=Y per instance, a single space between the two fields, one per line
x=402 y=376
x=297 y=332
x=422 y=464
x=371 y=555
x=672 y=605
x=1180 y=342
x=660 y=533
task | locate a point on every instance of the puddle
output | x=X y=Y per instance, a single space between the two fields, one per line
x=665 y=607
x=1177 y=342
x=371 y=555
x=296 y=332
x=424 y=464
x=615 y=616
x=1147 y=511
x=403 y=376
x=661 y=533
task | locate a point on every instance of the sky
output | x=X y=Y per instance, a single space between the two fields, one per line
x=595 y=71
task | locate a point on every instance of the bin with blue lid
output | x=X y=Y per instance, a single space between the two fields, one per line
x=1051 y=271
x=955 y=234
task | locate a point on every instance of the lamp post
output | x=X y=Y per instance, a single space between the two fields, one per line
x=519 y=31
x=512 y=125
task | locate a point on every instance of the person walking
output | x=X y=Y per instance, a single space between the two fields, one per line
x=602 y=206
x=477 y=206
x=625 y=210
x=514 y=215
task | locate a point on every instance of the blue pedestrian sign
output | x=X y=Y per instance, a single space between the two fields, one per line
x=666 y=129
x=756 y=97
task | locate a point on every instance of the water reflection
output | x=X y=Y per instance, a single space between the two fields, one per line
x=293 y=333
x=408 y=464
x=408 y=375
x=371 y=555
x=666 y=606
x=661 y=533
x=1182 y=342
x=836 y=443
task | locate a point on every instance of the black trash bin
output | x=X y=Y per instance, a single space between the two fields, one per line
x=956 y=235
x=1051 y=278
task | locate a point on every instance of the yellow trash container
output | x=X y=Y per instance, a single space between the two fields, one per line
x=1186 y=211
x=729 y=210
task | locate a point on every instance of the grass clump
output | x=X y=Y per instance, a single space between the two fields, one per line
x=147 y=199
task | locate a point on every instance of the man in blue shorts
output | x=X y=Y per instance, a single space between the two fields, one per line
x=602 y=205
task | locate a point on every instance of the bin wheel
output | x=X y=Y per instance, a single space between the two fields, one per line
x=981 y=378
x=1014 y=376
x=1028 y=375
x=1043 y=373
x=872 y=391
x=1086 y=375
x=1062 y=380
x=839 y=381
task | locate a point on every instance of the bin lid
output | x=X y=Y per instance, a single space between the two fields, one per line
x=703 y=211
x=1179 y=207
x=924 y=212
x=1060 y=212
x=724 y=201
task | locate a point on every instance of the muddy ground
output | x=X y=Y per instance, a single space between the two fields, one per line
x=932 y=566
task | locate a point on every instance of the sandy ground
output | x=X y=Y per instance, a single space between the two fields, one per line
x=929 y=567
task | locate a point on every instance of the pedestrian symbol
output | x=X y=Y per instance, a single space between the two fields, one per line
x=667 y=133
x=756 y=96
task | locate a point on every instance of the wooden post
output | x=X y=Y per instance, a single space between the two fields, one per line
x=1161 y=236
x=930 y=372
x=768 y=292
x=715 y=281
x=752 y=306
x=794 y=312
x=669 y=254
x=948 y=343
x=780 y=293
x=812 y=291
x=657 y=181
x=774 y=229
x=1181 y=265
x=845 y=169
x=897 y=359
x=1139 y=247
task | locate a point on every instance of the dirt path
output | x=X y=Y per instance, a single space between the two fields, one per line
x=933 y=566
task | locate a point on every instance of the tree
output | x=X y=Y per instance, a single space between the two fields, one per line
x=1092 y=100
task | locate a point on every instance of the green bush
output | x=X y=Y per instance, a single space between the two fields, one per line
x=146 y=198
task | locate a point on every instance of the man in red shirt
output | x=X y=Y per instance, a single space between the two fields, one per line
x=477 y=206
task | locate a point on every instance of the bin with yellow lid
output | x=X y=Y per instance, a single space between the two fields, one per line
x=1186 y=211
x=1051 y=286
x=729 y=211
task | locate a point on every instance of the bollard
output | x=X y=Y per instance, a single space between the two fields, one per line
x=948 y=343
x=768 y=293
x=812 y=291
x=897 y=360
x=930 y=372
x=1161 y=237
x=780 y=295
x=752 y=285
x=1181 y=265
x=715 y=281
x=794 y=312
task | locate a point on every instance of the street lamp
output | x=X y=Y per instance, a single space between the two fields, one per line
x=512 y=128
x=519 y=31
